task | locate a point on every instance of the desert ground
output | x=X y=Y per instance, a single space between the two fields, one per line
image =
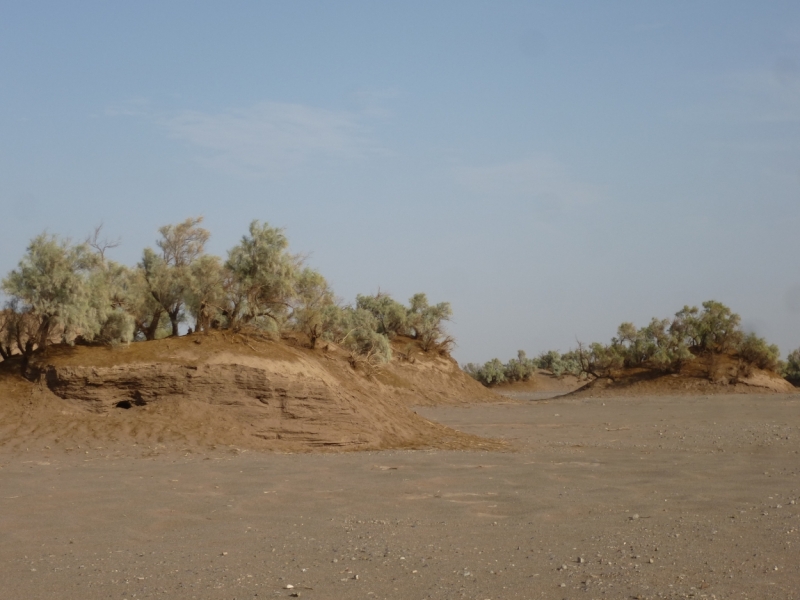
x=634 y=497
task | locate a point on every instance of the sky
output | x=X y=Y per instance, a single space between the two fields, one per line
x=550 y=168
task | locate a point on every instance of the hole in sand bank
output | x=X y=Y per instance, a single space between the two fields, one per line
x=137 y=400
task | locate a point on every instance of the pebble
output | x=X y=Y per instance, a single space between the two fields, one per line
x=635 y=516
x=581 y=560
x=288 y=586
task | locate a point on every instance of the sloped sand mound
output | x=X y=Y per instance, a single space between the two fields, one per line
x=710 y=374
x=229 y=391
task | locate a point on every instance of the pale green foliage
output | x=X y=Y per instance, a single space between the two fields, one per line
x=425 y=322
x=169 y=275
x=205 y=296
x=356 y=330
x=491 y=373
x=755 y=351
x=51 y=285
x=791 y=370
x=150 y=318
x=118 y=328
x=715 y=329
x=390 y=314
x=314 y=298
x=520 y=368
x=262 y=278
x=599 y=360
x=559 y=364
x=656 y=346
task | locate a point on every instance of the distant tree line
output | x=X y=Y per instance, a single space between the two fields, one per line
x=663 y=345
x=72 y=292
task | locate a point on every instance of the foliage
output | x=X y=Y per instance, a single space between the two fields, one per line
x=425 y=322
x=520 y=368
x=169 y=274
x=559 y=364
x=791 y=369
x=599 y=360
x=51 y=288
x=715 y=329
x=313 y=314
x=357 y=330
x=391 y=316
x=754 y=351
x=74 y=292
x=262 y=277
x=490 y=373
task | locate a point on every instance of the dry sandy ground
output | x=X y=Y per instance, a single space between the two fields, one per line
x=666 y=497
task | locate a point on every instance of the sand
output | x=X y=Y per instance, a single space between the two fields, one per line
x=659 y=497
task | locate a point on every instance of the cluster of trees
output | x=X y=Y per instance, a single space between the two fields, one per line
x=71 y=292
x=522 y=368
x=663 y=345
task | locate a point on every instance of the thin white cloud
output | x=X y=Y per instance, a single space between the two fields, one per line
x=540 y=179
x=271 y=139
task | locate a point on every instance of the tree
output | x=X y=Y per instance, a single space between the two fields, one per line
x=598 y=360
x=205 y=296
x=313 y=298
x=262 y=278
x=50 y=286
x=490 y=373
x=426 y=322
x=754 y=351
x=169 y=275
x=791 y=369
x=391 y=315
x=520 y=368
x=715 y=329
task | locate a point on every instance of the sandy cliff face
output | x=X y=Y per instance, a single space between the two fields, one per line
x=221 y=389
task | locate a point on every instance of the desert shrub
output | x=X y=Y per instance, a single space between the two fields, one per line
x=754 y=351
x=169 y=275
x=51 y=287
x=262 y=279
x=312 y=312
x=598 y=360
x=520 y=368
x=391 y=315
x=655 y=346
x=489 y=374
x=426 y=322
x=356 y=329
x=118 y=328
x=559 y=364
x=791 y=368
x=714 y=329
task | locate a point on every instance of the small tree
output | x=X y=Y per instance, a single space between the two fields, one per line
x=791 y=369
x=598 y=360
x=169 y=275
x=754 y=351
x=262 y=278
x=426 y=322
x=490 y=373
x=520 y=368
x=205 y=297
x=391 y=316
x=313 y=299
x=51 y=288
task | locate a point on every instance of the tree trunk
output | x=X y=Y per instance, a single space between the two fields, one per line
x=150 y=332
x=173 y=317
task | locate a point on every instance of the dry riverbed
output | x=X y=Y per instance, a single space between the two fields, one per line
x=662 y=497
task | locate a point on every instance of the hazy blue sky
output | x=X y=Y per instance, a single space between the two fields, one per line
x=550 y=168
